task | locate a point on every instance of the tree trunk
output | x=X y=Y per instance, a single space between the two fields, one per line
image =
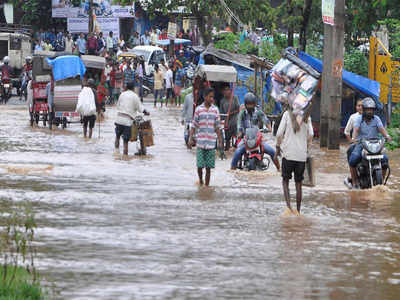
x=290 y=24
x=204 y=36
x=304 y=24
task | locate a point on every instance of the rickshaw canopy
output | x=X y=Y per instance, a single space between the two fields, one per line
x=217 y=73
x=177 y=42
x=66 y=67
x=94 y=62
x=129 y=55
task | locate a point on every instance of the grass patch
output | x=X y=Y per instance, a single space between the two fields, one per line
x=18 y=286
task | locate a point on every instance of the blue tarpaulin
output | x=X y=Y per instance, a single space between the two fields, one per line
x=363 y=85
x=177 y=42
x=67 y=66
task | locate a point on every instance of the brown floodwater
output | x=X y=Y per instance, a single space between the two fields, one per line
x=143 y=229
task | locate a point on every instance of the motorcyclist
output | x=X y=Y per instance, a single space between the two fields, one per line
x=6 y=70
x=366 y=126
x=28 y=64
x=250 y=117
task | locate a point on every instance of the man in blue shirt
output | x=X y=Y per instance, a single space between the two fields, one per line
x=251 y=117
x=366 y=126
x=81 y=43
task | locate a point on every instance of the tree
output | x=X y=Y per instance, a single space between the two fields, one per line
x=36 y=13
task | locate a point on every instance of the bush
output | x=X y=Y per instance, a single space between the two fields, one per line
x=16 y=284
x=228 y=42
x=355 y=61
x=247 y=47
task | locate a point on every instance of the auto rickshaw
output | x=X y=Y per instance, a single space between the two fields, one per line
x=68 y=73
x=41 y=76
x=213 y=76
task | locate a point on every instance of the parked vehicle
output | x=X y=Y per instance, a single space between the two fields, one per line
x=254 y=158
x=212 y=76
x=152 y=55
x=369 y=170
x=41 y=76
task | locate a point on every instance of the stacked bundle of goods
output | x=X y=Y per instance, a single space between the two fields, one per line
x=294 y=83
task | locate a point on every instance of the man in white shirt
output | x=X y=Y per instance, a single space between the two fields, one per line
x=169 y=84
x=348 y=131
x=110 y=43
x=128 y=107
x=293 y=141
x=350 y=123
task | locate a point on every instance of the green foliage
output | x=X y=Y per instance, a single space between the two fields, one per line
x=20 y=287
x=17 y=230
x=355 y=61
x=395 y=143
x=394 y=130
x=247 y=47
x=228 y=42
x=270 y=51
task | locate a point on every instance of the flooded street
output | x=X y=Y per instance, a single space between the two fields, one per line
x=143 y=228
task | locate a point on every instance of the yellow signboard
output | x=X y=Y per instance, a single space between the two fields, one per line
x=381 y=68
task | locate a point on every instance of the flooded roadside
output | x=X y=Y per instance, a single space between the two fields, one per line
x=142 y=228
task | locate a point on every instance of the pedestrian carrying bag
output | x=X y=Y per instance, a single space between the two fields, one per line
x=134 y=133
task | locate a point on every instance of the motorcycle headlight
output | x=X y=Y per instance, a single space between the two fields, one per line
x=251 y=143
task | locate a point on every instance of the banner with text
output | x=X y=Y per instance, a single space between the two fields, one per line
x=102 y=8
x=78 y=25
x=328 y=12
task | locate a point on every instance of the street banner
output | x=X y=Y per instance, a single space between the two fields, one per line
x=102 y=8
x=172 y=31
x=78 y=25
x=328 y=12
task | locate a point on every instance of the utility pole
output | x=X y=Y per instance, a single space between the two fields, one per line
x=91 y=21
x=172 y=35
x=331 y=99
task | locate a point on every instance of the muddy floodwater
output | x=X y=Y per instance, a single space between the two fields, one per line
x=143 y=228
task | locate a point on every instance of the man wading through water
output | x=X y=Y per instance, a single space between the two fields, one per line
x=293 y=141
x=128 y=107
x=207 y=122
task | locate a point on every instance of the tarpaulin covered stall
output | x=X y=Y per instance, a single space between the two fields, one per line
x=361 y=85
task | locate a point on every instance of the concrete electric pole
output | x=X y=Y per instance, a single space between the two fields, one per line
x=331 y=99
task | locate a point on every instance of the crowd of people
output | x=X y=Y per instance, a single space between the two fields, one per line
x=101 y=44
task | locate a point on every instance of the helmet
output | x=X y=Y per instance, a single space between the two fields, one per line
x=250 y=98
x=6 y=60
x=368 y=103
x=91 y=82
x=28 y=58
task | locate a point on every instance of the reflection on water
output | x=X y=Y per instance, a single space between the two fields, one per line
x=142 y=229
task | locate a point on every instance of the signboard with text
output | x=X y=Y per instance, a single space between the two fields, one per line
x=102 y=8
x=328 y=11
x=78 y=25
x=172 y=31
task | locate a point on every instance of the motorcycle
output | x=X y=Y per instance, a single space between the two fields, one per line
x=189 y=72
x=5 y=89
x=254 y=158
x=369 y=170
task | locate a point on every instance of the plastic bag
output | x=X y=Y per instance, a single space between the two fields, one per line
x=86 y=105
